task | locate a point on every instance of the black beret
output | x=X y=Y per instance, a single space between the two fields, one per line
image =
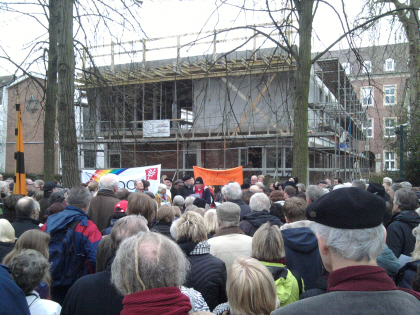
x=322 y=182
x=348 y=208
x=186 y=177
x=199 y=202
x=245 y=186
x=379 y=190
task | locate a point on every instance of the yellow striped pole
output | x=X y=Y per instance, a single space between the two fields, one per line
x=20 y=176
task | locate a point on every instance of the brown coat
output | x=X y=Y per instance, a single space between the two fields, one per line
x=159 y=202
x=102 y=208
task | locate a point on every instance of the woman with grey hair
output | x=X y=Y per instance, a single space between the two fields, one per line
x=29 y=268
x=149 y=270
x=179 y=201
x=161 y=197
x=208 y=273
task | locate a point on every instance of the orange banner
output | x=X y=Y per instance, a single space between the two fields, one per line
x=219 y=177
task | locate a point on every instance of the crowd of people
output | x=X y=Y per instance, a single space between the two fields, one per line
x=190 y=248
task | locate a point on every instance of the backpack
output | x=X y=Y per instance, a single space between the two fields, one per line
x=66 y=264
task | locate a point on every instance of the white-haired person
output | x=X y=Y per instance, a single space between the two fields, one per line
x=268 y=248
x=149 y=270
x=28 y=269
x=350 y=234
x=210 y=220
x=250 y=289
x=233 y=193
x=162 y=197
x=207 y=273
x=7 y=238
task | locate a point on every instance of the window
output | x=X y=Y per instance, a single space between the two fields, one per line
x=190 y=160
x=389 y=126
x=347 y=66
x=187 y=119
x=389 y=64
x=368 y=128
x=89 y=158
x=389 y=95
x=367 y=96
x=114 y=160
x=390 y=161
x=367 y=66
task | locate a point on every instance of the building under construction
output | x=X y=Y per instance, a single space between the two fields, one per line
x=216 y=110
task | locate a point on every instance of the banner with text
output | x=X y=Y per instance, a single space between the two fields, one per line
x=219 y=177
x=127 y=176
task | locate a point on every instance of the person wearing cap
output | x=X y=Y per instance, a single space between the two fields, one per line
x=202 y=190
x=400 y=238
x=187 y=188
x=119 y=212
x=379 y=190
x=230 y=241
x=350 y=234
x=171 y=190
x=44 y=203
x=322 y=184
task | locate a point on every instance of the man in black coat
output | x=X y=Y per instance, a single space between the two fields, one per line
x=27 y=216
x=187 y=188
x=399 y=229
x=94 y=294
x=233 y=193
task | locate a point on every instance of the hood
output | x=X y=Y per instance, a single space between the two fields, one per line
x=300 y=239
x=297 y=224
x=258 y=218
x=408 y=216
x=60 y=220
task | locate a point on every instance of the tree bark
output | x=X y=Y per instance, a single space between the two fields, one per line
x=301 y=93
x=51 y=98
x=65 y=96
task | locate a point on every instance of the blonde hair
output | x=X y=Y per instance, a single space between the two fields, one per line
x=416 y=252
x=210 y=220
x=191 y=227
x=165 y=213
x=268 y=244
x=250 y=288
x=7 y=232
x=93 y=186
x=31 y=239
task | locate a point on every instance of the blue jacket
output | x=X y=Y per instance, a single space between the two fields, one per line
x=13 y=300
x=302 y=254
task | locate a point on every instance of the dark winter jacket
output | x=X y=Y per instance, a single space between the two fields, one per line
x=24 y=224
x=207 y=196
x=5 y=248
x=9 y=215
x=102 y=208
x=94 y=294
x=184 y=191
x=44 y=203
x=12 y=298
x=302 y=254
x=207 y=274
x=245 y=209
x=388 y=261
x=399 y=232
x=322 y=286
x=406 y=274
x=163 y=227
x=251 y=222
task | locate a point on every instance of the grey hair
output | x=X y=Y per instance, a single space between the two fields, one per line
x=359 y=184
x=190 y=208
x=406 y=199
x=109 y=181
x=3 y=184
x=189 y=201
x=301 y=186
x=352 y=244
x=57 y=196
x=126 y=227
x=259 y=202
x=29 y=268
x=79 y=197
x=395 y=187
x=25 y=206
x=232 y=191
x=162 y=187
x=387 y=180
x=148 y=261
x=178 y=201
x=314 y=192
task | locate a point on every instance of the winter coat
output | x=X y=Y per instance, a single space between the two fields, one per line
x=24 y=224
x=207 y=196
x=229 y=243
x=44 y=203
x=9 y=215
x=302 y=252
x=159 y=201
x=251 y=222
x=5 y=248
x=406 y=274
x=102 y=208
x=288 y=287
x=388 y=261
x=245 y=209
x=207 y=273
x=11 y=296
x=184 y=191
x=163 y=227
x=399 y=232
x=38 y=306
x=94 y=294
x=322 y=286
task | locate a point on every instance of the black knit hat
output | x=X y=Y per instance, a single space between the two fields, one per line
x=199 y=202
x=199 y=180
x=348 y=208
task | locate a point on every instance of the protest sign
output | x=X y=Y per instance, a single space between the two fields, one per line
x=127 y=176
x=219 y=177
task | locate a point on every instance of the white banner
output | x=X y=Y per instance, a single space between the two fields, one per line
x=126 y=176
x=156 y=128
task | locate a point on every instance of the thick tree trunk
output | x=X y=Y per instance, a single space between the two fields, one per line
x=301 y=94
x=65 y=96
x=51 y=99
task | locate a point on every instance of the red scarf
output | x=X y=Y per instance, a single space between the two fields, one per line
x=198 y=191
x=161 y=301
x=363 y=278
